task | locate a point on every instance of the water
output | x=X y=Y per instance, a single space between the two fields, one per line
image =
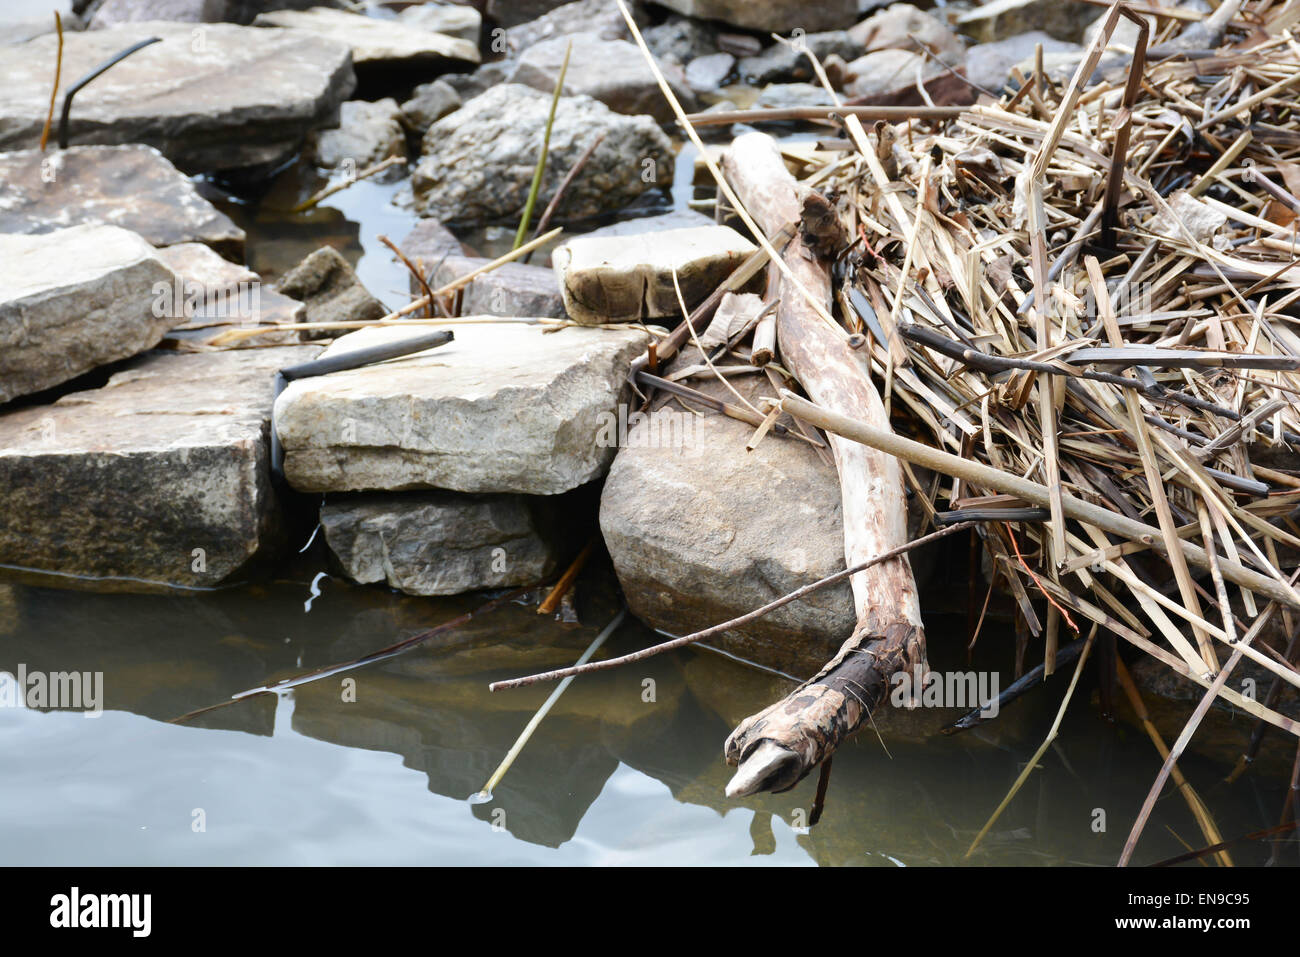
x=379 y=765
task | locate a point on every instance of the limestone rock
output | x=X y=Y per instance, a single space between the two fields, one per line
x=504 y=408
x=776 y=16
x=626 y=278
x=426 y=245
x=514 y=289
x=437 y=543
x=72 y=300
x=161 y=478
x=478 y=162
x=429 y=102
x=376 y=43
x=511 y=13
x=582 y=16
x=367 y=133
x=611 y=71
x=701 y=531
x=329 y=287
x=134 y=187
x=677 y=219
x=706 y=74
x=227 y=98
x=886 y=71
x=777 y=96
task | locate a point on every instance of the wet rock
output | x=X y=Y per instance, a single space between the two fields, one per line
x=782 y=62
x=368 y=133
x=376 y=44
x=250 y=96
x=72 y=300
x=429 y=103
x=626 y=278
x=989 y=64
x=437 y=543
x=160 y=478
x=898 y=25
x=1001 y=19
x=697 y=535
x=503 y=408
x=514 y=289
x=777 y=96
x=478 y=162
x=450 y=19
x=705 y=74
x=134 y=187
x=326 y=283
x=213 y=296
x=611 y=71
x=777 y=16
x=886 y=71
x=584 y=16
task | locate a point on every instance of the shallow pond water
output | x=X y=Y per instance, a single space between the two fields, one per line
x=377 y=765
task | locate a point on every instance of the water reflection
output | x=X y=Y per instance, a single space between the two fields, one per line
x=626 y=768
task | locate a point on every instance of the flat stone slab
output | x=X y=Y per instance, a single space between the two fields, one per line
x=1000 y=19
x=507 y=407
x=375 y=43
x=623 y=278
x=72 y=300
x=478 y=161
x=437 y=543
x=134 y=187
x=222 y=98
x=159 y=480
x=611 y=71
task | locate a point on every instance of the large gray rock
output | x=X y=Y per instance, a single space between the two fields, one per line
x=73 y=300
x=161 y=478
x=109 y=13
x=427 y=244
x=514 y=289
x=134 y=187
x=509 y=13
x=701 y=531
x=478 y=162
x=437 y=543
x=626 y=278
x=776 y=16
x=376 y=43
x=504 y=408
x=222 y=98
x=612 y=71
x=883 y=72
x=1000 y=19
x=368 y=132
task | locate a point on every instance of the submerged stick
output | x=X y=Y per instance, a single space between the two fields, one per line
x=486 y=793
x=316 y=674
x=745 y=619
x=347 y=181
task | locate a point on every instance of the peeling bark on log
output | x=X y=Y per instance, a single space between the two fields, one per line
x=779 y=746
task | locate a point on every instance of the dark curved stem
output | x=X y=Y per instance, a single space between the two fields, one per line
x=112 y=61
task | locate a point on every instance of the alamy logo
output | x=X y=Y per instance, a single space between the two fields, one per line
x=184 y=299
x=53 y=690
x=664 y=428
x=953 y=689
x=74 y=909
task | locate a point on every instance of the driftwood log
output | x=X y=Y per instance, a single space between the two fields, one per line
x=779 y=746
